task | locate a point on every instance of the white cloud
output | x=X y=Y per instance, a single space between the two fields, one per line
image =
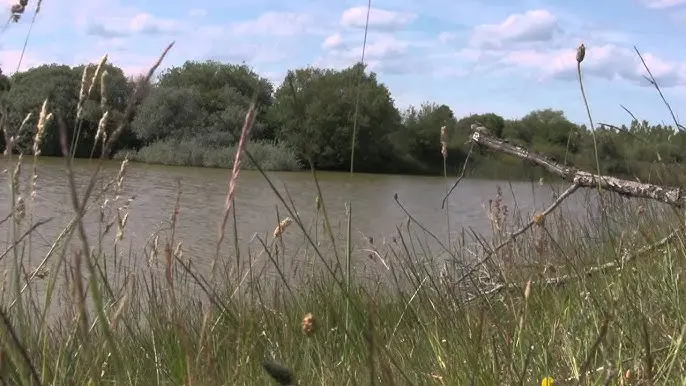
x=140 y=23
x=607 y=61
x=378 y=18
x=531 y=26
x=274 y=23
x=10 y=58
x=384 y=53
x=332 y=41
x=663 y=4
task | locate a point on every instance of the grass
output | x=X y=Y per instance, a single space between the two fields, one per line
x=104 y=314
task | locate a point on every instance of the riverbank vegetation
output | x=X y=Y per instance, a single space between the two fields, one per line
x=315 y=304
x=191 y=113
x=546 y=298
x=406 y=311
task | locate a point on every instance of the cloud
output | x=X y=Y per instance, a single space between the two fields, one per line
x=607 y=61
x=140 y=23
x=378 y=18
x=384 y=53
x=531 y=26
x=10 y=58
x=663 y=4
x=274 y=23
x=332 y=41
x=197 y=12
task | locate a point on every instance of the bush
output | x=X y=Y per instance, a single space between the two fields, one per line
x=269 y=155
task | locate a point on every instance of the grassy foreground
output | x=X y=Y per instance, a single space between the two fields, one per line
x=83 y=317
x=162 y=323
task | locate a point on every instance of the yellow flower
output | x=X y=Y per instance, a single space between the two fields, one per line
x=547 y=381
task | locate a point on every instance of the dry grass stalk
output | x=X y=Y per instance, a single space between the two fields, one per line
x=43 y=119
x=83 y=93
x=104 y=88
x=96 y=76
x=233 y=180
x=79 y=294
x=444 y=142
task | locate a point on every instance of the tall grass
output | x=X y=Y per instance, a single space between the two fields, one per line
x=426 y=315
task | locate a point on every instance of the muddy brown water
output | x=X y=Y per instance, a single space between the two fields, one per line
x=154 y=189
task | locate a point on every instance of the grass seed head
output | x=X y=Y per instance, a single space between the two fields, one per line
x=309 y=325
x=281 y=228
x=580 y=53
x=96 y=75
x=43 y=119
x=104 y=78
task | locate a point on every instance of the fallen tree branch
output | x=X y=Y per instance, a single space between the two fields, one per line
x=513 y=235
x=671 y=196
x=579 y=178
x=564 y=279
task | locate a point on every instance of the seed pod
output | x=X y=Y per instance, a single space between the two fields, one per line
x=580 y=53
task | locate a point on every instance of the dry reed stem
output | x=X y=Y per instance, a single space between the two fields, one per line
x=233 y=180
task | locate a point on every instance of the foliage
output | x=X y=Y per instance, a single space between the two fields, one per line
x=194 y=152
x=315 y=110
x=312 y=112
x=60 y=84
x=161 y=320
x=154 y=317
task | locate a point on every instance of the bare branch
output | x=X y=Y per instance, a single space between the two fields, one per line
x=464 y=169
x=671 y=196
x=521 y=230
x=564 y=279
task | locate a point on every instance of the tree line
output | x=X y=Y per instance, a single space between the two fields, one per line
x=192 y=114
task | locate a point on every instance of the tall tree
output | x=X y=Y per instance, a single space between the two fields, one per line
x=315 y=112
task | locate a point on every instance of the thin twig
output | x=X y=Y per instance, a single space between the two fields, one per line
x=653 y=81
x=23 y=236
x=464 y=169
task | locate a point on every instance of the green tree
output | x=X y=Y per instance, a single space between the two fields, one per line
x=118 y=93
x=57 y=83
x=225 y=90
x=315 y=110
x=60 y=84
x=168 y=112
x=422 y=134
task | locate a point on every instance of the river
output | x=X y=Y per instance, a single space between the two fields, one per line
x=154 y=189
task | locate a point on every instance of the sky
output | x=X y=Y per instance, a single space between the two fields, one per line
x=477 y=56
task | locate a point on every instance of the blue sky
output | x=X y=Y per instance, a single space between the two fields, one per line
x=502 y=56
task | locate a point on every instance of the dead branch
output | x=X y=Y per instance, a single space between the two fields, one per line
x=671 y=196
x=579 y=178
x=514 y=235
x=627 y=257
